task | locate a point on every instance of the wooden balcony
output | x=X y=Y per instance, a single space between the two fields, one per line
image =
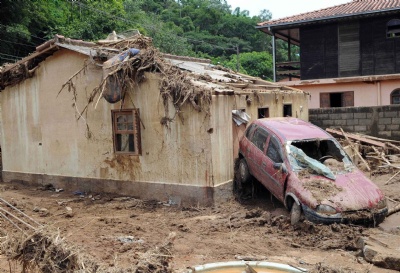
x=288 y=69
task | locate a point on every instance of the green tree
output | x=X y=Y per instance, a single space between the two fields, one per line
x=258 y=64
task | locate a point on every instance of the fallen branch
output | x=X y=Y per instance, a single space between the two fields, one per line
x=390 y=179
x=393 y=210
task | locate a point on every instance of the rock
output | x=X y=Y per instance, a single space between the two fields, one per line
x=43 y=212
x=69 y=212
x=381 y=249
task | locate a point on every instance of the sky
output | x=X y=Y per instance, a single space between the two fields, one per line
x=283 y=8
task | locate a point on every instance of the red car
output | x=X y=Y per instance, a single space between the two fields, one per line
x=306 y=168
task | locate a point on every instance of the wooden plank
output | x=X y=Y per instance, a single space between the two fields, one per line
x=355 y=150
x=357 y=138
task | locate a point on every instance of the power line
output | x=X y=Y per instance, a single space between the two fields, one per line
x=16 y=43
x=147 y=25
x=9 y=59
x=20 y=31
x=8 y=55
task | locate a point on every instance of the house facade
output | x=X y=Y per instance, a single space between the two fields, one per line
x=126 y=147
x=349 y=54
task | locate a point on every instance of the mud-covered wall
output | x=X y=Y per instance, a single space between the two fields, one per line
x=41 y=134
x=225 y=134
x=378 y=121
x=43 y=142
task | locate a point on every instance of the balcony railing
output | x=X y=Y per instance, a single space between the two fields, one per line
x=288 y=70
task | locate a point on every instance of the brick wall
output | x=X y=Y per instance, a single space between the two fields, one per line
x=379 y=121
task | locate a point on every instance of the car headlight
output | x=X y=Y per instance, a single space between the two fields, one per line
x=326 y=209
x=381 y=204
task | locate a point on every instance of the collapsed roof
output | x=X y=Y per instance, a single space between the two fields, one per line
x=219 y=79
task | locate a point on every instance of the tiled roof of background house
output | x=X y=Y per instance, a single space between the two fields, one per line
x=355 y=7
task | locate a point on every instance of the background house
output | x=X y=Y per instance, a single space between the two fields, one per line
x=349 y=54
x=128 y=147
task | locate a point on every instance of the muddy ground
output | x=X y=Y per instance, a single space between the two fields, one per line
x=116 y=230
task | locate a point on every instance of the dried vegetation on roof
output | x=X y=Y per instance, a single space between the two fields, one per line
x=176 y=88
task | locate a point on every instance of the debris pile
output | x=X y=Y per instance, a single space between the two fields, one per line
x=125 y=71
x=380 y=156
x=45 y=251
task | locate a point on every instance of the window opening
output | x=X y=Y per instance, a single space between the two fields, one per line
x=336 y=99
x=126 y=131
x=393 y=28
x=287 y=110
x=263 y=112
x=395 y=97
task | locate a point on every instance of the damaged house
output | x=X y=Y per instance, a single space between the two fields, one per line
x=119 y=117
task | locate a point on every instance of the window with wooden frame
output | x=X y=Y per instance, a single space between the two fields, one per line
x=395 y=97
x=336 y=99
x=126 y=131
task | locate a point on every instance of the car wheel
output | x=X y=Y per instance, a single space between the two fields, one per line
x=295 y=213
x=244 y=174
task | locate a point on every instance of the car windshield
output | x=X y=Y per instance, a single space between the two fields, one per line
x=319 y=156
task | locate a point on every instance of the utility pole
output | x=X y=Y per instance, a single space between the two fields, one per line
x=237 y=58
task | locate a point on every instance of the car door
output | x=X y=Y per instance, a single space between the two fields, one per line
x=274 y=172
x=257 y=151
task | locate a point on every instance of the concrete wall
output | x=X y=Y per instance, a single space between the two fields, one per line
x=366 y=93
x=43 y=142
x=379 y=121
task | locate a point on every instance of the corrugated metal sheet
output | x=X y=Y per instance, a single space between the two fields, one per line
x=81 y=49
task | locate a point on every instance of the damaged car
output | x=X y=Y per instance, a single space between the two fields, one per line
x=309 y=172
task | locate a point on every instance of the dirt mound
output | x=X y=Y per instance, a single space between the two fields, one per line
x=321 y=268
x=322 y=189
x=335 y=236
x=305 y=234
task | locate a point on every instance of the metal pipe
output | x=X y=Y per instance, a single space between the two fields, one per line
x=11 y=206
x=14 y=224
x=379 y=94
x=274 y=56
x=22 y=221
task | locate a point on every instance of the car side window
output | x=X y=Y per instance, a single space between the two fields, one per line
x=274 y=150
x=260 y=138
x=250 y=130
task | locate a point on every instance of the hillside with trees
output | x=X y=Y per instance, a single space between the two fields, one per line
x=201 y=28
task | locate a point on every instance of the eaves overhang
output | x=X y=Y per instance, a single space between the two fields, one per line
x=271 y=28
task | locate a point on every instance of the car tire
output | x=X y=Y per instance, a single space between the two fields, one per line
x=244 y=174
x=295 y=213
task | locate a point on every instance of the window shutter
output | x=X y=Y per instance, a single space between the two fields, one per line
x=348 y=99
x=324 y=100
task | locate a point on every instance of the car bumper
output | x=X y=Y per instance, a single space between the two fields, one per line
x=355 y=217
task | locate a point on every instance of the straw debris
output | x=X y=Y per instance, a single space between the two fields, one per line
x=46 y=252
x=176 y=86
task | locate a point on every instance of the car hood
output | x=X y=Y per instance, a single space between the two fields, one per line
x=348 y=192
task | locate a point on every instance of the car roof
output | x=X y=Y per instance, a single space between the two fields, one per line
x=289 y=129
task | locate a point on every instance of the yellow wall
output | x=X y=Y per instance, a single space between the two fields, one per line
x=41 y=134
